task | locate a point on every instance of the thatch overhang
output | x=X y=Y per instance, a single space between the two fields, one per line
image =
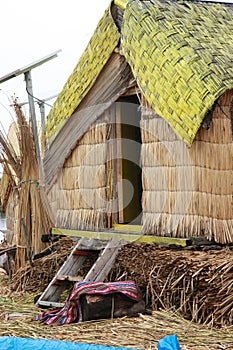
x=113 y=81
x=180 y=54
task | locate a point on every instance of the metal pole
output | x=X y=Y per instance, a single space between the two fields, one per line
x=42 y=115
x=28 y=80
x=41 y=104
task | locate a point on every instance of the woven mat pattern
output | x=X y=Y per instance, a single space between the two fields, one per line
x=181 y=55
x=93 y=59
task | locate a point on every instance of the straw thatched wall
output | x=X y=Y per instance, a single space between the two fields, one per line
x=188 y=191
x=79 y=197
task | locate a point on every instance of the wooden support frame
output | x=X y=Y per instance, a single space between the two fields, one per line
x=128 y=236
x=119 y=169
x=111 y=169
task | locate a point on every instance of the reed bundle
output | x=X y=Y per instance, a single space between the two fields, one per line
x=10 y=213
x=32 y=216
x=87 y=153
x=82 y=195
x=188 y=191
x=83 y=198
x=82 y=219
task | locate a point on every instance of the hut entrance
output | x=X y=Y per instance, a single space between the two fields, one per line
x=128 y=169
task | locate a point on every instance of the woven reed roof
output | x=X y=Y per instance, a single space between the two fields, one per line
x=180 y=52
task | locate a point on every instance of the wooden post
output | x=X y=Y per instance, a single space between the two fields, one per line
x=119 y=168
x=112 y=165
x=29 y=253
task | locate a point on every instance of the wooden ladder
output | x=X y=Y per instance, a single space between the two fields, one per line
x=68 y=272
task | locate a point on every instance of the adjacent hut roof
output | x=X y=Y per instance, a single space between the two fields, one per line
x=180 y=53
x=84 y=75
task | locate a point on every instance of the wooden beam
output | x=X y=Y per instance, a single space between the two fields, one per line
x=26 y=237
x=119 y=166
x=126 y=235
x=68 y=278
x=53 y=304
x=127 y=228
x=134 y=90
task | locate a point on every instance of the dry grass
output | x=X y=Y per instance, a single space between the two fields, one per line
x=143 y=332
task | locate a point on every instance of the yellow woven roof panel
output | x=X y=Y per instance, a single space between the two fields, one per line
x=181 y=54
x=93 y=59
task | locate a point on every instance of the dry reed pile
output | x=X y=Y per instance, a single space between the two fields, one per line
x=34 y=279
x=197 y=284
x=188 y=192
x=32 y=216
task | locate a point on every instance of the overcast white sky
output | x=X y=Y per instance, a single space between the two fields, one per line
x=31 y=30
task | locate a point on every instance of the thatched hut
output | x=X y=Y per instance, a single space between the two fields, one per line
x=142 y=130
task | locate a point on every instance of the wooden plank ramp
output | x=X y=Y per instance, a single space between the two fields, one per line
x=68 y=272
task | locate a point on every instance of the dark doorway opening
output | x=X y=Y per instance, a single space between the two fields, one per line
x=129 y=175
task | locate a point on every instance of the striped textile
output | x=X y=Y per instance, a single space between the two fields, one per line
x=71 y=311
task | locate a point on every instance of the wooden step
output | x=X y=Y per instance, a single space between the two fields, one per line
x=67 y=280
x=48 y=304
x=68 y=273
x=69 y=268
x=104 y=263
